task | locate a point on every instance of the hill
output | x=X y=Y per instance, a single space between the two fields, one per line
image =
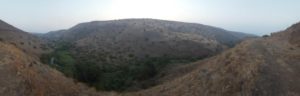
x=129 y=39
x=25 y=41
x=258 y=67
x=138 y=49
x=266 y=66
x=22 y=73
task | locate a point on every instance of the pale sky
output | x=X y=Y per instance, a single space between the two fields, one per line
x=249 y=16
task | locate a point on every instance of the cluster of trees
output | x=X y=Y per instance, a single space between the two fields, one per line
x=61 y=60
x=118 y=77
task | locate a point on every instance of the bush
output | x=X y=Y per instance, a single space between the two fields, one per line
x=88 y=73
x=22 y=43
x=65 y=63
x=118 y=81
x=265 y=36
x=63 y=60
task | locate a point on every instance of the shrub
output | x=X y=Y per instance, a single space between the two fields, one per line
x=66 y=63
x=63 y=60
x=22 y=43
x=265 y=36
x=130 y=55
x=88 y=72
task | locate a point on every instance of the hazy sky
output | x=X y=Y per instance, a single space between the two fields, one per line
x=251 y=16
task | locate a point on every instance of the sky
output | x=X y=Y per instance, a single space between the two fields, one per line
x=250 y=16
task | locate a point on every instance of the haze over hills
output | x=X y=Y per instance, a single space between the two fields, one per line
x=266 y=66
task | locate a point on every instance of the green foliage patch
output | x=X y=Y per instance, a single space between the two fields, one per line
x=136 y=74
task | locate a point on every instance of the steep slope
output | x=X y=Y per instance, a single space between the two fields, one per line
x=258 y=67
x=7 y=27
x=295 y=34
x=23 y=75
x=27 y=42
x=20 y=70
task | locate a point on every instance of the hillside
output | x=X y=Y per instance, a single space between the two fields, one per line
x=26 y=42
x=266 y=66
x=119 y=47
x=133 y=39
x=295 y=34
x=258 y=67
x=22 y=73
x=146 y=28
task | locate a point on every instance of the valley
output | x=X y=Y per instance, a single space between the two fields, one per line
x=148 y=57
x=126 y=55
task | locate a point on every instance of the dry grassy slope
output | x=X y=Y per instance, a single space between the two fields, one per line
x=23 y=75
x=258 y=67
x=295 y=39
x=25 y=41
